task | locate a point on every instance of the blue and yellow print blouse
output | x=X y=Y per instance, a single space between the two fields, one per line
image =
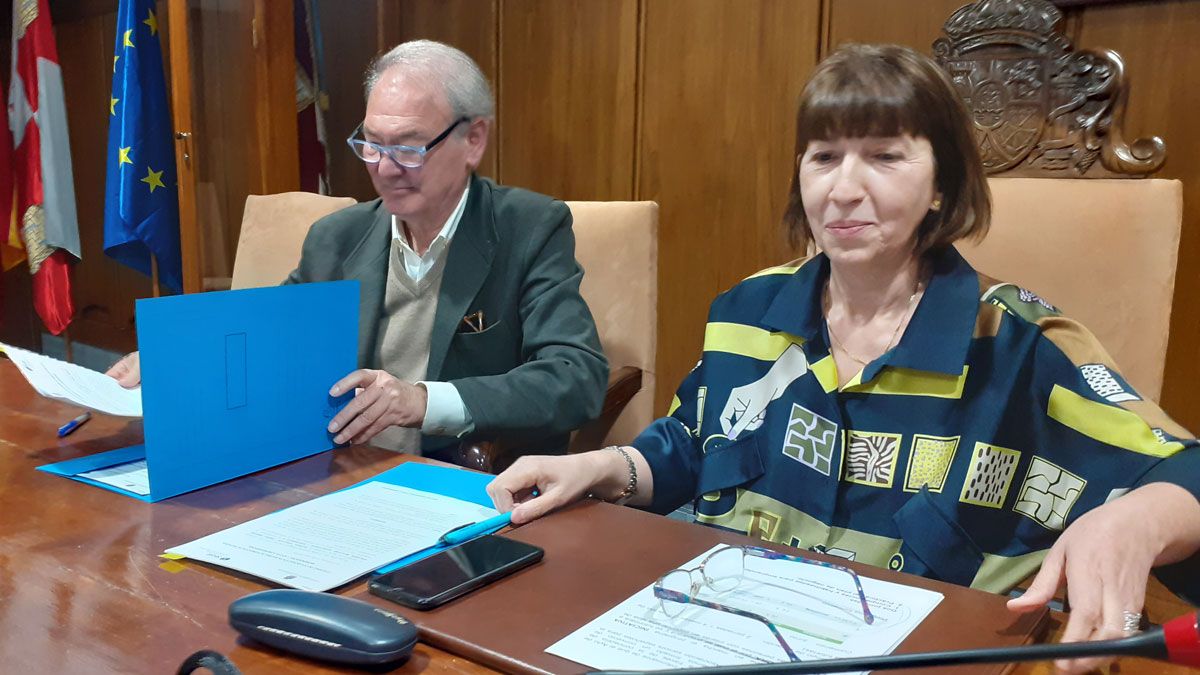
x=960 y=454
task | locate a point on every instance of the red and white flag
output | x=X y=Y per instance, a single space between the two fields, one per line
x=45 y=191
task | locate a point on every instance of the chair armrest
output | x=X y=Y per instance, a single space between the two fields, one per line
x=623 y=384
x=493 y=457
x=478 y=454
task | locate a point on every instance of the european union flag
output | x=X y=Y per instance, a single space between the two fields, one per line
x=141 y=204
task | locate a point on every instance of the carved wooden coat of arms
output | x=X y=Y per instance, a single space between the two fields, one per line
x=1039 y=107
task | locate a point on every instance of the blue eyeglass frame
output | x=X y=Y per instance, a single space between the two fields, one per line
x=390 y=151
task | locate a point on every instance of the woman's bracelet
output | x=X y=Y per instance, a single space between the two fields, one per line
x=630 y=487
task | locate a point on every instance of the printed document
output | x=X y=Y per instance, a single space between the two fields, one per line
x=131 y=476
x=74 y=384
x=816 y=609
x=329 y=541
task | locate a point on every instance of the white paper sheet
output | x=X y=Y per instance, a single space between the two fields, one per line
x=328 y=541
x=132 y=476
x=74 y=384
x=816 y=609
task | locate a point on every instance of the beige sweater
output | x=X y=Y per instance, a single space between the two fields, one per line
x=402 y=348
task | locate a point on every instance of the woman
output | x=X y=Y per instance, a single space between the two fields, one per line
x=884 y=399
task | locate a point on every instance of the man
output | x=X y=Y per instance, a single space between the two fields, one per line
x=471 y=322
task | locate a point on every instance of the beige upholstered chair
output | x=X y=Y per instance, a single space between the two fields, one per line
x=1102 y=251
x=1074 y=218
x=617 y=245
x=273 y=231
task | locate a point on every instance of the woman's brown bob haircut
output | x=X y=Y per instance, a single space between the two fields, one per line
x=889 y=90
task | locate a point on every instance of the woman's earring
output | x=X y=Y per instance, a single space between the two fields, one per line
x=936 y=205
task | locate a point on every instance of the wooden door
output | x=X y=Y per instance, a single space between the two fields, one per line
x=190 y=241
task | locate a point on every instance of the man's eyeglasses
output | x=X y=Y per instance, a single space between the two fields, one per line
x=407 y=156
x=722 y=571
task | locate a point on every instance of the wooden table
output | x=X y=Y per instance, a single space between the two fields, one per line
x=82 y=589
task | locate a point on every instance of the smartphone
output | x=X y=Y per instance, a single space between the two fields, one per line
x=446 y=575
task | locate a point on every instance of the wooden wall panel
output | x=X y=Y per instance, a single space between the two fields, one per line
x=226 y=139
x=65 y=11
x=273 y=47
x=719 y=92
x=914 y=24
x=1158 y=43
x=470 y=25
x=104 y=290
x=351 y=41
x=568 y=76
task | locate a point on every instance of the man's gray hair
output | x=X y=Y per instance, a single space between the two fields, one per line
x=467 y=90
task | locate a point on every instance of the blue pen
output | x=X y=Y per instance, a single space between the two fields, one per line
x=471 y=530
x=74 y=424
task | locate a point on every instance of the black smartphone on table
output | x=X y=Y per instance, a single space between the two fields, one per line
x=448 y=574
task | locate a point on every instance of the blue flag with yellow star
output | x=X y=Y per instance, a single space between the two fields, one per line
x=141 y=202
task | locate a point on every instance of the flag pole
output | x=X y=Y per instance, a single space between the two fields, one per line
x=68 y=345
x=154 y=274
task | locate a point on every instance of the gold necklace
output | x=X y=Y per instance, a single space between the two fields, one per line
x=828 y=302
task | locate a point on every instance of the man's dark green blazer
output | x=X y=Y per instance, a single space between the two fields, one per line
x=537 y=371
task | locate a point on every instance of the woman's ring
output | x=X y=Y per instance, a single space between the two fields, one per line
x=1131 y=622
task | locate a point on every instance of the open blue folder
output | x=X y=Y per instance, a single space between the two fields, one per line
x=468 y=486
x=235 y=382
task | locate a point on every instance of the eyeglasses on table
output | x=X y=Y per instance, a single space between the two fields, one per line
x=722 y=571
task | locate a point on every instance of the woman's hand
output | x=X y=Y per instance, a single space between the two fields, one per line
x=384 y=401
x=1105 y=558
x=128 y=371
x=535 y=485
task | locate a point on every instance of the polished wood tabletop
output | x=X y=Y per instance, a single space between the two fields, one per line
x=82 y=586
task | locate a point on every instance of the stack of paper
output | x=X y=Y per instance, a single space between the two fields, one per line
x=331 y=540
x=816 y=609
x=74 y=384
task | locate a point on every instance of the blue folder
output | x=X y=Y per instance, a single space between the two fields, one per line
x=235 y=382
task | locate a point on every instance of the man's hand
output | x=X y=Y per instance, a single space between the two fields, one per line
x=383 y=401
x=128 y=371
